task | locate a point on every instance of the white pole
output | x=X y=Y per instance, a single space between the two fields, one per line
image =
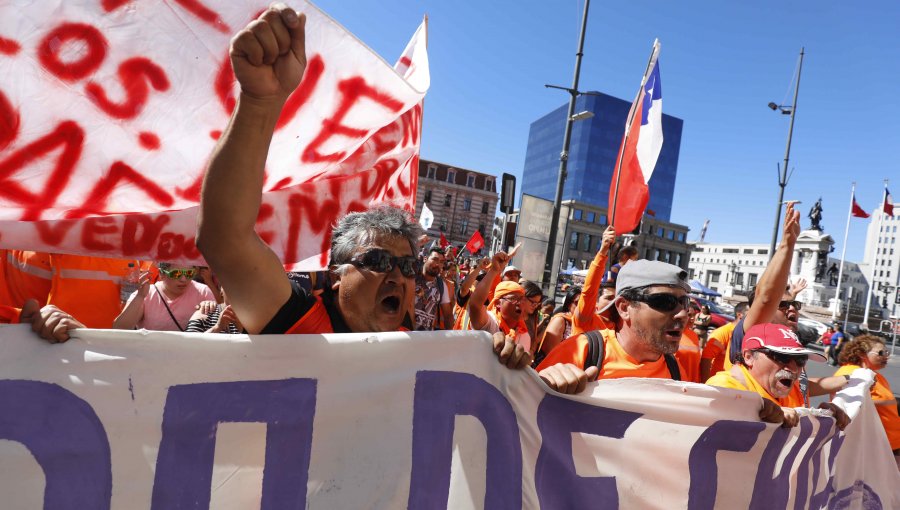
x=837 y=292
x=874 y=256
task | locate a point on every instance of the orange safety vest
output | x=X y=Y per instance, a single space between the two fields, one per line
x=9 y=314
x=24 y=275
x=88 y=287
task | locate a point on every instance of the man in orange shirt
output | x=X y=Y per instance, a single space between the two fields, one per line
x=373 y=255
x=49 y=322
x=652 y=302
x=770 y=365
x=688 y=354
x=713 y=357
x=586 y=317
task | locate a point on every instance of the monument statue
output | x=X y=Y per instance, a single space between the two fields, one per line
x=833 y=275
x=815 y=216
x=821 y=265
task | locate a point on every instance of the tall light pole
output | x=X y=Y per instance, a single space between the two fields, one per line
x=783 y=171
x=563 y=159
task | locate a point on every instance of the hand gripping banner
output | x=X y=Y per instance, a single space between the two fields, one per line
x=109 y=110
x=116 y=419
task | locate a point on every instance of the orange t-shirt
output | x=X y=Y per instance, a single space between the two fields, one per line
x=616 y=362
x=585 y=317
x=725 y=379
x=688 y=356
x=885 y=404
x=717 y=347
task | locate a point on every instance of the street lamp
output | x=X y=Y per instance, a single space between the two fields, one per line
x=783 y=171
x=564 y=158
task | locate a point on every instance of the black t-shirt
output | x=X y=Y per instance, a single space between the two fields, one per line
x=299 y=304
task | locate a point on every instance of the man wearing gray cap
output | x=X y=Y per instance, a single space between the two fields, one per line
x=652 y=301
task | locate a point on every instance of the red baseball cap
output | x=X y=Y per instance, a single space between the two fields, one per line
x=777 y=338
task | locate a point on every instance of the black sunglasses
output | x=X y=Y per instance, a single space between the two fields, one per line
x=784 y=305
x=663 y=302
x=882 y=353
x=381 y=261
x=785 y=359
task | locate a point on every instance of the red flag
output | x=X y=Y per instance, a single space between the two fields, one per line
x=444 y=242
x=476 y=242
x=857 y=211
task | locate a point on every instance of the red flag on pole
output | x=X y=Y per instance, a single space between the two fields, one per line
x=888 y=203
x=857 y=211
x=444 y=242
x=476 y=242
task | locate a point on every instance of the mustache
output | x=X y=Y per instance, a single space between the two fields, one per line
x=786 y=374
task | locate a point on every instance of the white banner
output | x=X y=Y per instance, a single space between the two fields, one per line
x=110 y=109
x=422 y=420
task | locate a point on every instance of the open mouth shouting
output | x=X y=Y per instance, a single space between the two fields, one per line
x=391 y=301
x=784 y=381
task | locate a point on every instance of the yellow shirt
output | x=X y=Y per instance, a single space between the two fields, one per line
x=725 y=379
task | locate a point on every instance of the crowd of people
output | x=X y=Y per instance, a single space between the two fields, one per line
x=635 y=319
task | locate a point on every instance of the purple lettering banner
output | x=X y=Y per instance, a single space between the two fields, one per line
x=423 y=420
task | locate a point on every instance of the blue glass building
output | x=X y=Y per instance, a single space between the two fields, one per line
x=592 y=154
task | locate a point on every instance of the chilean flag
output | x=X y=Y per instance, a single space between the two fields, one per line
x=856 y=210
x=888 y=203
x=628 y=193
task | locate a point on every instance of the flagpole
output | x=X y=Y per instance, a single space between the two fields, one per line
x=631 y=114
x=874 y=256
x=837 y=292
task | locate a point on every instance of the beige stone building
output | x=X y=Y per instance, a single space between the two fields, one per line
x=461 y=200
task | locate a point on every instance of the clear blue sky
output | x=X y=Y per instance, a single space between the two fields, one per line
x=721 y=63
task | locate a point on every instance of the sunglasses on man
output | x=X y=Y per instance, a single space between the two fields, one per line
x=176 y=274
x=663 y=301
x=784 y=305
x=785 y=359
x=379 y=260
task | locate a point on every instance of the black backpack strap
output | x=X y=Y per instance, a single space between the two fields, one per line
x=672 y=365
x=596 y=350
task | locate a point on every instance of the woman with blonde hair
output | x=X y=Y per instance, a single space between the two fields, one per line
x=868 y=351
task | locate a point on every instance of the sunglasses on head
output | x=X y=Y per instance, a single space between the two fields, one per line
x=663 y=301
x=784 y=359
x=378 y=260
x=784 y=305
x=176 y=274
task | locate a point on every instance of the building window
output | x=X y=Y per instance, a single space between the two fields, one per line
x=586 y=241
x=463 y=226
x=576 y=214
x=739 y=279
x=714 y=276
x=573 y=241
x=602 y=219
x=427 y=196
x=748 y=250
x=571 y=263
x=467 y=204
x=451 y=176
x=679 y=259
x=470 y=181
x=729 y=250
x=432 y=171
x=690 y=273
x=443 y=227
x=590 y=216
x=447 y=199
x=661 y=232
x=481 y=229
x=672 y=235
x=484 y=207
x=681 y=237
x=487 y=184
x=764 y=251
x=751 y=279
